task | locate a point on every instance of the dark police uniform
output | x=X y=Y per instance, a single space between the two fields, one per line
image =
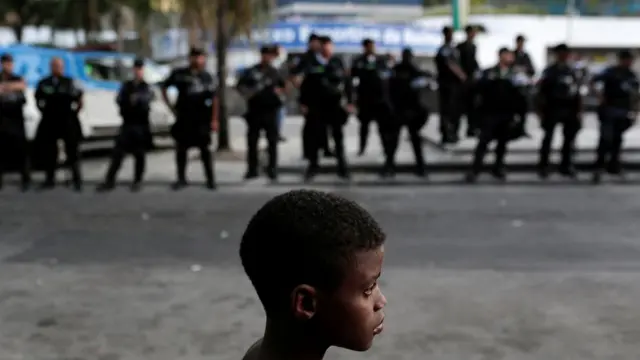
x=372 y=100
x=134 y=100
x=618 y=112
x=194 y=107
x=523 y=66
x=299 y=68
x=258 y=84
x=322 y=92
x=405 y=87
x=560 y=101
x=497 y=108
x=469 y=64
x=59 y=99
x=449 y=93
x=13 y=139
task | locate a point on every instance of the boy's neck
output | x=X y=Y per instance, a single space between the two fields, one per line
x=284 y=343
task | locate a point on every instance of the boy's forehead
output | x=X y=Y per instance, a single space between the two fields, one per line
x=369 y=262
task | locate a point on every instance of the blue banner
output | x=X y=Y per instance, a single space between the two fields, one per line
x=280 y=3
x=347 y=36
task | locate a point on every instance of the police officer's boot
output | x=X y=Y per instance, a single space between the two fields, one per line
x=311 y=172
x=388 y=169
x=210 y=178
x=76 y=183
x=542 y=169
x=272 y=173
x=596 y=177
x=179 y=184
x=343 y=170
x=471 y=177
x=251 y=174
x=49 y=181
x=568 y=171
x=106 y=186
x=420 y=169
x=614 y=168
x=543 y=172
x=499 y=174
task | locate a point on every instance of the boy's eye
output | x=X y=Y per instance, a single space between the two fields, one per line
x=369 y=291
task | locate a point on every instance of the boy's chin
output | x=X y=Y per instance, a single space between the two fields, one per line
x=361 y=346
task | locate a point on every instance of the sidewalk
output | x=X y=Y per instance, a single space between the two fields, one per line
x=522 y=155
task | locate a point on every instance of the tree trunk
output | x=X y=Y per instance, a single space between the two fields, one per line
x=144 y=31
x=221 y=54
x=94 y=18
x=119 y=25
x=17 y=31
x=120 y=33
x=194 y=31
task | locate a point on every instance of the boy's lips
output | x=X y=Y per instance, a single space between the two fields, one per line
x=379 y=328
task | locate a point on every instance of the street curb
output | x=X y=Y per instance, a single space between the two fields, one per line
x=450 y=167
x=429 y=141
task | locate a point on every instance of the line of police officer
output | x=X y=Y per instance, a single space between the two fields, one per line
x=493 y=100
x=496 y=104
x=59 y=99
x=196 y=116
x=329 y=92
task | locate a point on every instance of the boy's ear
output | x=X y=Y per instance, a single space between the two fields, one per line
x=304 y=302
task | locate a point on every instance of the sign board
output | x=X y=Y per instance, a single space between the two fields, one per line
x=293 y=36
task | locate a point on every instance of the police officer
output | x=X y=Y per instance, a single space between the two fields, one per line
x=369 y=75
x=523 y=66
x=405 y=88
x=450 y=80
x=300 y=63
x=263 y=88
x=299 y=67
x=59 y=99
x=618 y=110
x=496 y=91
x=469 y=64
x=559 y=103
x=13 y=139
x=322 y=92
x=134 y=100
x=196 y=112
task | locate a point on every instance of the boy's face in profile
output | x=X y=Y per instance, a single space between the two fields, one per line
x=352 y=315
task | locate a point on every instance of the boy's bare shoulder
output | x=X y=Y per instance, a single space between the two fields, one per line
x=252 y=353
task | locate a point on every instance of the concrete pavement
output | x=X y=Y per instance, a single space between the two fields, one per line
x=510 y=272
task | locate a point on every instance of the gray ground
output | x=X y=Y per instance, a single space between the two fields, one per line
x=520 y=271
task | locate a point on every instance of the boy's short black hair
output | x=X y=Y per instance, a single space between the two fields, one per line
x=313 y=37
x=367 y=42
x=304 y=237
x=503 y=50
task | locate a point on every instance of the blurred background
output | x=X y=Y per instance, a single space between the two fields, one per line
x=104 y=35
